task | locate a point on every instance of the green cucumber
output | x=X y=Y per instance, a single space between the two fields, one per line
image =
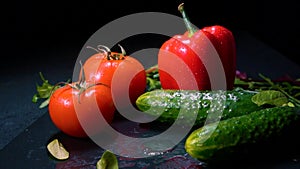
x=166 y=105
x=205 y=142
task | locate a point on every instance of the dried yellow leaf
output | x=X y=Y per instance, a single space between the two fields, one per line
x=57 y=150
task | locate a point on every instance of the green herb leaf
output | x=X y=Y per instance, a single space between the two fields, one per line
x=44 y=91
x=108 y=161
x=44 y=103
x=270 y=97
x=153 y=81
x=290 y=88
x=35 y=98
x=290 y=104
x=153 y=84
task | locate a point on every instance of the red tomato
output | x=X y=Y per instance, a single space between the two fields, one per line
x=69 y=108
x=123 y=69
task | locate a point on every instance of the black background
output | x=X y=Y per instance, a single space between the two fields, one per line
x=32 y=31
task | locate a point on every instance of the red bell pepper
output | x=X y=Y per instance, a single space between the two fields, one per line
x=180 y=66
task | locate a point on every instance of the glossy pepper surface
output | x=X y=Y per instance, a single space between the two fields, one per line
x=183 y=59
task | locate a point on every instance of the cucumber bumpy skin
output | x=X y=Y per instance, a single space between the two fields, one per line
x=206 y=141
x=167 y=103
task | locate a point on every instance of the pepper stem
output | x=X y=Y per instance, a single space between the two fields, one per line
x=186 y=20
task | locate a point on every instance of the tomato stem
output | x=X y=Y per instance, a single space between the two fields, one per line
x=108 y=53
x=90 y=47
x=103 y=48
x=42 y=77
x=122 y=50
x=82 y=85
x=186 y=20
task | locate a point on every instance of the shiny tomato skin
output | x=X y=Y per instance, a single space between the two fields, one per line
x=66 y=106
x=91 y=65
x=101 y=70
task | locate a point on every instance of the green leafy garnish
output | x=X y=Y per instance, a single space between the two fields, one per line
x=153 y=81
x=290 y=90
x=270 y=97
x=44 y=91
x=107 y=161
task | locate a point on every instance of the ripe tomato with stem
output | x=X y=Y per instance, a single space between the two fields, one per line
x=123 y=73
x=79 y=108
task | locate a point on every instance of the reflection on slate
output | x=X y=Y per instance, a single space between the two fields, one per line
x=28 y=150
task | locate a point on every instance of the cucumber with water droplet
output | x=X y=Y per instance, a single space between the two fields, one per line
x=196 y=106
x=212 y=139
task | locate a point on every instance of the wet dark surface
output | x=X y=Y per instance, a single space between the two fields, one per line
x=28 y=150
